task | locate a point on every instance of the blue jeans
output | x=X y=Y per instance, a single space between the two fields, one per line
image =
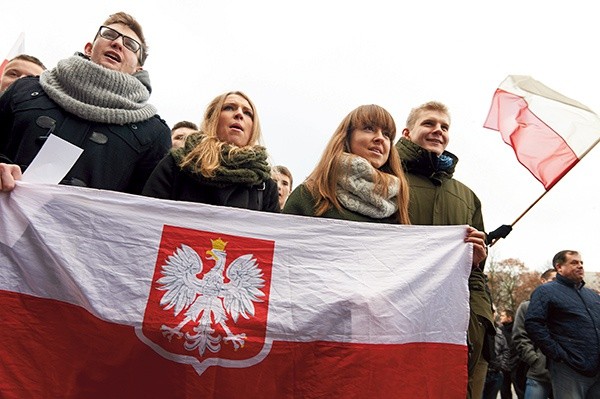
x=493 y=383
x=535 y=389
x=569 y=384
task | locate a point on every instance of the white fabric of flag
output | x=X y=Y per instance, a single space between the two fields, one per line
x=96 y=241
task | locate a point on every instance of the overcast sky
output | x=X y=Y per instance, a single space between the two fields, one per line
x=307 y=64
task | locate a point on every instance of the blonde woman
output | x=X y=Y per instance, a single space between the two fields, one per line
x=222 y=164
x=359 y=176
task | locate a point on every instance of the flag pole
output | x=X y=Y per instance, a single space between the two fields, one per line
x=546 y=191
x=530 y=206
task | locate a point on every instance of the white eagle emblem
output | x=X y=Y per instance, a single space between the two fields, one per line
x=208 y=300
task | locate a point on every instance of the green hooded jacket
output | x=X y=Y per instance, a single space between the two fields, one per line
x=437 y=199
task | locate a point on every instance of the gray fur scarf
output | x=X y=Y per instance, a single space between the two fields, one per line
x=356 y=189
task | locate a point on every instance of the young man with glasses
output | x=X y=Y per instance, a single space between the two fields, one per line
x=96 y=100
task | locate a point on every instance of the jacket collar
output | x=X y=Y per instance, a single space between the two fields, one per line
x=417 y=160
x=565 y=281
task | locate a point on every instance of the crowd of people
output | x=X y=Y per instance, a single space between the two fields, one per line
x=369 y=172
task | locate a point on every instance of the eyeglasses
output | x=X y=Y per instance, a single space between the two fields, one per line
x=111 y=34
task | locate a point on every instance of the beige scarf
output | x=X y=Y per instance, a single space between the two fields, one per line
x=356 y=189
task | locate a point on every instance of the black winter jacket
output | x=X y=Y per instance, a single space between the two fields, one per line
x=501 y=360
x=564 y=321
x=115 y=157
x=168 y=181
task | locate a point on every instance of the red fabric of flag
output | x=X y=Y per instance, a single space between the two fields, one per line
x=50 y=349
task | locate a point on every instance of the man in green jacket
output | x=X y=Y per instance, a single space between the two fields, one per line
x=438 y=199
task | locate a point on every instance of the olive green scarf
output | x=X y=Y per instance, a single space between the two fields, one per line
x=247 y=165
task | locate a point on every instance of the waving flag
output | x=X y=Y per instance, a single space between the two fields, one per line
x=17 y=48
x=110 y=295
x=549 y=132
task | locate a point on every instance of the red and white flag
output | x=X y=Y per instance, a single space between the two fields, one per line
x=111 y=295
x=549 y=132
x=17 y=48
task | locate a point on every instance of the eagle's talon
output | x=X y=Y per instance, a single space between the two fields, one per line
x=169 y=332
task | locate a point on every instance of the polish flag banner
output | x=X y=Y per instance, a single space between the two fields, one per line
x=112 y=295
x=549 y=132
x=17 y=48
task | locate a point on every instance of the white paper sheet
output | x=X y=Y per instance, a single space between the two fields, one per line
x=53 y=161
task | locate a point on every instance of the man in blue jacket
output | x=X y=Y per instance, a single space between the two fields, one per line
x=563 y=320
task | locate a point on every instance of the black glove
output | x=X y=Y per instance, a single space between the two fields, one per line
x=500 y=232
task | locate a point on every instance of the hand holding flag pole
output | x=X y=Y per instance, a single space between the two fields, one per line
x=501 y=232
x=549 y=133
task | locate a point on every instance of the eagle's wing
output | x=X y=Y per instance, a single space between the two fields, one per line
x=245 y=282
x=179 y=279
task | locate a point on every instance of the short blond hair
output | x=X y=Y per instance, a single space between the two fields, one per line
x=428 y=106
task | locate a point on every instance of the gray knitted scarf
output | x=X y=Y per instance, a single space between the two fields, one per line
x=98 y=94
x=356 y=189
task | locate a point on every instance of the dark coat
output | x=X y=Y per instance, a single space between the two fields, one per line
x=507 y=330
x=437 y=199
x=526 y=350
x=115 y=157
x=168 y=181
x=564 y=321
x=501 y=360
